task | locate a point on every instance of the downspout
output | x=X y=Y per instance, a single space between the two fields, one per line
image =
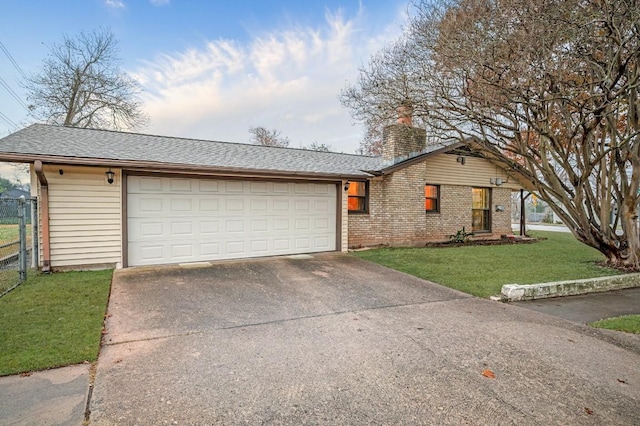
x=523 y=218
x=44 y=214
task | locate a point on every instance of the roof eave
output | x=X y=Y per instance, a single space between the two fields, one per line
x=418 y=158
x=157 y=167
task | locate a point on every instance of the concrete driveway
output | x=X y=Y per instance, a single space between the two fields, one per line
x=333 y=339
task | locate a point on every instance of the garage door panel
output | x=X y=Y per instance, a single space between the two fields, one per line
x=260 y=246
x=259 y=225
x=209 y=227
x=233 y=186
x=259 y=205
x=281 y=224
x=151 y=205
x=149 y=253
x=258 y=187
x=147 y=184
x=321 y=189
x=181 y=220
x=303 y=243
x=207 y=185
x=181 y=229
x=323 y=243
x=301 y=188
x=180 y=185
x=208 y=205
x=210 y=250
x=235 y=205
x=321 y=224
x=321 y=206
x=302 y=224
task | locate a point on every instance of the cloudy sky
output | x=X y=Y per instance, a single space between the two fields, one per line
x=212 y=69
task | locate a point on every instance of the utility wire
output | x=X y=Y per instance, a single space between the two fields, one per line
x=13 y=61
x=13 y=94
x=7 y=120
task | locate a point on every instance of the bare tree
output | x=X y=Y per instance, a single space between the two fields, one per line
x=317 y=146
x=81 y=85
x=548 y=89
x=371 y=143
x=262 y=136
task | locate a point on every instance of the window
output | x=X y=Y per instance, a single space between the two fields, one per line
x=432 y=198
x=481 y=211
x=358 y=197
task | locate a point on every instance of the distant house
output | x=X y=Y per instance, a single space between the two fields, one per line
x=9 y=205
x=123 y=199
x=15 y=193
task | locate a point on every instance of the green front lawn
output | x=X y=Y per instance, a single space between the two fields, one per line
x=482 y=270
x=53 y=320
x=627 y=323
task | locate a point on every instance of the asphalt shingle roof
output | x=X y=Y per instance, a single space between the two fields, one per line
x=41 y=140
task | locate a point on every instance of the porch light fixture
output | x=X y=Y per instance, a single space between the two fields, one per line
x=461 y=160
x=347 y=185
x=110 y=176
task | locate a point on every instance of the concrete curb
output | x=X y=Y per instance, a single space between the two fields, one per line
x=515 y=292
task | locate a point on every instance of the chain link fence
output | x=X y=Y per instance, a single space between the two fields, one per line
x=18 y=246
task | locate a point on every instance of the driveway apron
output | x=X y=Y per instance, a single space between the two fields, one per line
x=332 y=339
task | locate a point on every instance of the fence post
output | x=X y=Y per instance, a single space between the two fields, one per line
x=22 y=256
x=35 y=248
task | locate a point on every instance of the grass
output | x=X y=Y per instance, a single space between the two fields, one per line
x=482 y=270
x=626 y=323
x=9 y=233
x=53 y=320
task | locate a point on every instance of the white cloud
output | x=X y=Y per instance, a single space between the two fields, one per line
x=160 y=2
x=114 y=4
x=288 y=79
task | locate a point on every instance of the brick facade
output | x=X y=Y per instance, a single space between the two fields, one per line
x=397 y=217
x=401 y=141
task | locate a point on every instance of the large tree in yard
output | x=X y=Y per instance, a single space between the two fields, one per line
x=546 y=88
x=262 y=136
x=81 y=85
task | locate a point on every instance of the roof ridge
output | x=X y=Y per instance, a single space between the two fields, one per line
x=57 y=126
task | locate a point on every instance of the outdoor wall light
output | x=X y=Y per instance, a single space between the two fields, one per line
x=110 y=176
x=347 y=185
x=461 y=160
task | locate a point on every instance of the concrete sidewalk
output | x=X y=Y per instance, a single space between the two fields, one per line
x=587 y=308
x=51 y=397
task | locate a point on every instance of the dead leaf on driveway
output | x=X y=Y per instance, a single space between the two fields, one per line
x=588 y=411
x=488 y=373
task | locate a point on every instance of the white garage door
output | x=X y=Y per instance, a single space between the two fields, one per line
x=174 y=220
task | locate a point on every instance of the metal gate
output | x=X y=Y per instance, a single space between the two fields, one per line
x=18 y=241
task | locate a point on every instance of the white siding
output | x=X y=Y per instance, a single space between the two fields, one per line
x=85 y=216
x=444 y=169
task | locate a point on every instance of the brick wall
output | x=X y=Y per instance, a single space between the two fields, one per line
x=400 y=140
x=396 y=211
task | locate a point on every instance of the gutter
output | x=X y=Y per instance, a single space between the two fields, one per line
x=139 y=166
x=44 y=214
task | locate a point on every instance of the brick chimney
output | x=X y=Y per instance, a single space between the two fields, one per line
x=401 y=140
